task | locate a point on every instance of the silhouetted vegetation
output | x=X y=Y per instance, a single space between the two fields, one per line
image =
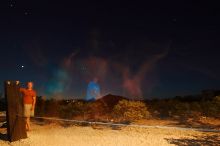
x=2 y=104
x=207 y=104
x=110 y=107
x=188 y=106
x=130 y=110
x=212 y=140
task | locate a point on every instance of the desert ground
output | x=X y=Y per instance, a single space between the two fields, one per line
x=57 y=134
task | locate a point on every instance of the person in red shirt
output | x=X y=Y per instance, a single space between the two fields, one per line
x=29 y=100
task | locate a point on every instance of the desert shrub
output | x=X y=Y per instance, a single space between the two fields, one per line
x=130 y=110
x=166 y=107
x=96 y=111
x=181 y=108
x=40 y=107
x=195 y=109
x=171 y=107
x=86 y=110
x=72 y=109
x=195 y=106
x=93 y=108
x=216 y=100
x=211 y=108
x=51 y=107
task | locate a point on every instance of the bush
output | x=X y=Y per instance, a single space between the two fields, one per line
x=216 y=100
x=72 y=109
x=181 y=108
x=211 y=108
x=130 y=110
x=86 y=110
x=95 y=108
x=40 y=106
x=195 y=106
x=52 y=108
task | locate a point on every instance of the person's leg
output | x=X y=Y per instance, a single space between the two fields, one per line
x=28 y=124
x=27 y=111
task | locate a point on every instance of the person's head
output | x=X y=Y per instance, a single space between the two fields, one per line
x=30 y=85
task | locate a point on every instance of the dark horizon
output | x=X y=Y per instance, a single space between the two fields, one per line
x=145 y=50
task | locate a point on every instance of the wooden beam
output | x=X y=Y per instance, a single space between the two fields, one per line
x=15 y=122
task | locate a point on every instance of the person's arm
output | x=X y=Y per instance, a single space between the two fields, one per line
x=33 y=103
x=21 y=90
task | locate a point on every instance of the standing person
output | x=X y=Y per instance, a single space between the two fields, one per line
x=93 y=90
x=29 y=100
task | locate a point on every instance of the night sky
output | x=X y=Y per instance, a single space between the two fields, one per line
x=151 y=49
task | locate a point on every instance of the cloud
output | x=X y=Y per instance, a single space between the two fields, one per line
x=132 y=83
x=61 y=78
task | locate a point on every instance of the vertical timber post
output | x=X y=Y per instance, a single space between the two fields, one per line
x=15 y=122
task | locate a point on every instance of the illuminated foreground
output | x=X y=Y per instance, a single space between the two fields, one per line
x=57 y=135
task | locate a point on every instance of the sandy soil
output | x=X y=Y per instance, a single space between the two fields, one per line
x=58 y=135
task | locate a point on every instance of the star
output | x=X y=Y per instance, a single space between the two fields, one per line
x=26 y=12
x=12 y=4
x=174 y=19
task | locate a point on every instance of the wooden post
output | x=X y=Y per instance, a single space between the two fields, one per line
x=15 y=122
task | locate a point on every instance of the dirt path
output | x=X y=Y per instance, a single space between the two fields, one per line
x=57 y=135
